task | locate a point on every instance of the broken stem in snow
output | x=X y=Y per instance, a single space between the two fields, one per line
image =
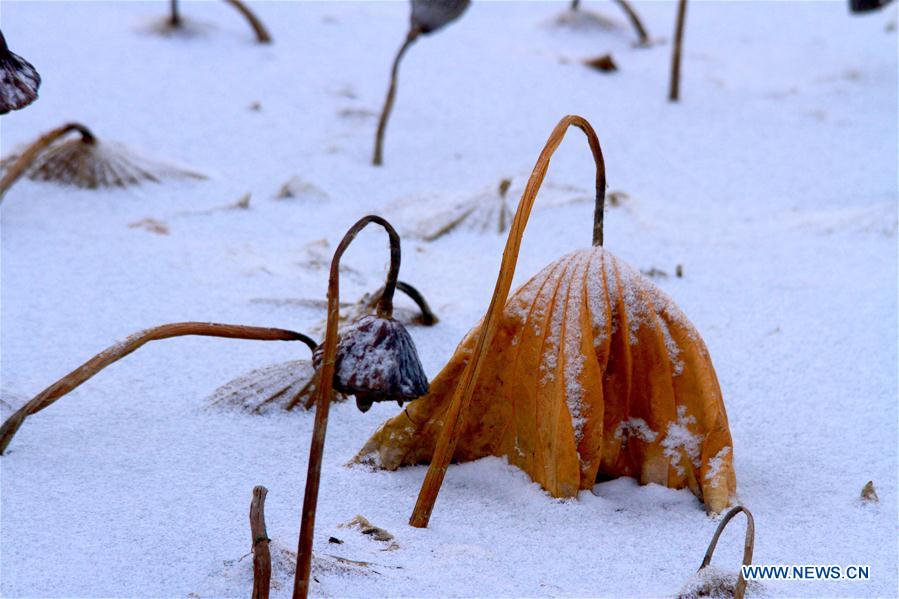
x=31 y=153
x=377 y=159
x=174 y=16
x=674 y=84
x=326 y=384
x=262 y=35
x=748 y=545
x=262 y=558
x=453 y=420
x=118 y=351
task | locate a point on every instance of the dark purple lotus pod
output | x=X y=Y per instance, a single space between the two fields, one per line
x=18 y=80
x=377 y=361
x=431 y=15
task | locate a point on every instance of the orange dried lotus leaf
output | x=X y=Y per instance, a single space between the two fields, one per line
x=593 y=374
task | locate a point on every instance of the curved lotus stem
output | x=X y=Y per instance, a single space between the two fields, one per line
x=27 y=158
x=446 y=442
x=326 y=384
x=635 y=21
x=118 y=351
x=377 y=159
x=428 y=318
x=262 y=35
x=674 y=83
x=748 y=546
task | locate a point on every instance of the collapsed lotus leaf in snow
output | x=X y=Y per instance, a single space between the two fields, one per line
x=19 y=81
x=431 y=15
x=84 y=162
x=273 y=388
x=588 y=372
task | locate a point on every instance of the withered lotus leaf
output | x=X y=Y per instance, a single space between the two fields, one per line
x=273 y=388
x=588 y=372
x=84 y=162
x=593 y=374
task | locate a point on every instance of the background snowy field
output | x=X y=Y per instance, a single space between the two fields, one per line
x=773 y=182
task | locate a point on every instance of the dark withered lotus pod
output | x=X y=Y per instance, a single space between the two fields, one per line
x=377 y=361
x=431 y=15
x=18 y=80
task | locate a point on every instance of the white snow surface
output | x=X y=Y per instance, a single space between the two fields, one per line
x=773 y=182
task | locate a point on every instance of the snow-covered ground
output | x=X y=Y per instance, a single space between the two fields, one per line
x=773 y=182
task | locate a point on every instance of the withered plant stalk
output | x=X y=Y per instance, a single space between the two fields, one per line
x=262 y=558
x=325 y=387
x=453 y=419
x=174 y=16
x=631 y=15
x=635 y=21
x=262 y=34
x=674 y=83
x=748 y=546
x=120 y=350
x=377 y=159
x=31 y=153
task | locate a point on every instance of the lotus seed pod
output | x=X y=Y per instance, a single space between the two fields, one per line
x=377 y=361
x=431 y=15
x=18 y=80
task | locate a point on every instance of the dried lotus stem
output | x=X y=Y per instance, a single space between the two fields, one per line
x=427 y=318
x=377 y=159
x=27 y=158
x=748 y=546
x=674 y=83
x=174 y=16
x=635 y=21
x=631 y=15
x=262 y=558
x=118 y=351
x=262 y=35
x=326 y=384
x=446 y=442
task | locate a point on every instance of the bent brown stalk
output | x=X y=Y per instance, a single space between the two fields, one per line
x=262 y=558
x=748 y=546
x=427 y=318
x=635 y=21
x=326 y=383
x=674 y=83
x=262 y=35
x=118 y=351
x=377 y=159
x=453 y=420
x=31 y=153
